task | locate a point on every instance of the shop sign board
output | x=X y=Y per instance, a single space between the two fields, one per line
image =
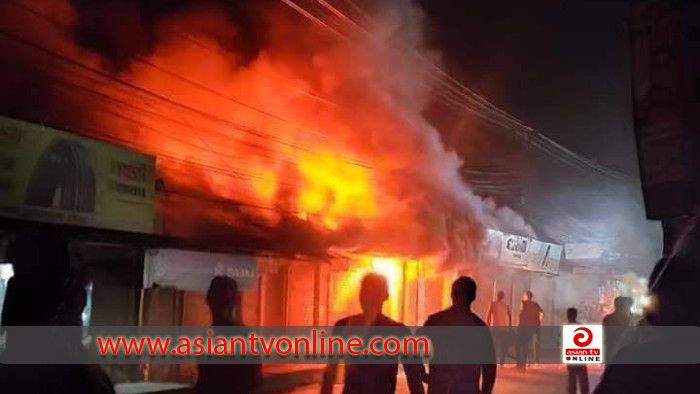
x=524 y=252
x=515 y=249
x=544 y=257
x=48 y=175
x=192 y=270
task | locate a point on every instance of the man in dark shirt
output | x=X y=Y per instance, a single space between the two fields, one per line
x=621 y=317
x=222 y=299
x=578 y=374
x=463 y=378
x=372 y=378
x=673 y=288
x=531 y=315
x=44 y=292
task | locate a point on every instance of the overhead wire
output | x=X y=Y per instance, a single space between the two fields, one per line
x=287 y=85
x=571 y=159
x=548 y=146
x=483 y=102
x=448 y=96
x=517 y=122
x=148 y=113
x=144 y=91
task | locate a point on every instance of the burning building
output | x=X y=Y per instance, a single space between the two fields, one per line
x=301 y=144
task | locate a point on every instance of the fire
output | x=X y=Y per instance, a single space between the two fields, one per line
x=347 y=289
x=408 y=280
x=330 y=190
x=323 y=131
x=333 y=189
x=390 y=268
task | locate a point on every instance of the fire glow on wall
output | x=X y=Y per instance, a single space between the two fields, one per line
x=407 y=286
x=313 y=136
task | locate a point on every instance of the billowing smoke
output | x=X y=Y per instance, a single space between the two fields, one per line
x=120 y=30
x=293 y=133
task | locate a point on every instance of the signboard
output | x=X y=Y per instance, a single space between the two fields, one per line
x=544 y=257
x=514 y=249
x=189 y=270
x=524 y=252
x=48 y=175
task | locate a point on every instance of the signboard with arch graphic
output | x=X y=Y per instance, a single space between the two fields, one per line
x=48 y=175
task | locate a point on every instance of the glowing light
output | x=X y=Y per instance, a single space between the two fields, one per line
x=645 y=301
x=266 y=185
x=347 y=288
x=6 y=272
x=390 y=268
x=333 y=188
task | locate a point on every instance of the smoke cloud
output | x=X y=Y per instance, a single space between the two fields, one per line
x=306 y=136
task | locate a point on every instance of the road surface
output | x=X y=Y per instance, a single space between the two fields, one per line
x=546 y=379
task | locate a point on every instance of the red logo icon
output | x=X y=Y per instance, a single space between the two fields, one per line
x=582 y=344
x=582 y=339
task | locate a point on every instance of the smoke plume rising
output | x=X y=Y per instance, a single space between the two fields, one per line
x=306 y=137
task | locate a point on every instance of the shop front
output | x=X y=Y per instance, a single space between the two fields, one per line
x=514 y=264
x=99 y=197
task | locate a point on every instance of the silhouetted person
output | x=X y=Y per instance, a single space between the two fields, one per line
x=463 y=378
x=499 y=316
x=621 y=317
x=44 y=293
x=222 y=299
x=674 y=292
x=372 y=378
x=578 y=374
x=530 y=320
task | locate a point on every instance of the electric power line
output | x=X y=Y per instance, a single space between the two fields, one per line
x=144 y=91
x=548 y=146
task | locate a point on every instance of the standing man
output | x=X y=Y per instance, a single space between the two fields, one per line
x=577 y=373
x=621 y=317
x=372 y=378
x=44 y=292
x=530 y=320
x=499 y=316
x=222 y=299
x=463 y=378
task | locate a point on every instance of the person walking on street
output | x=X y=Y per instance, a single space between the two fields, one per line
x=463 y=378
x=499 y=316
x=621 y=317
x=577 y=374
x=222 y=299
x=530 y=320
x=46 y=291
x=372 y=378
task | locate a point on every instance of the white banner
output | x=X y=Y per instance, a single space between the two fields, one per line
x=188 y=270
x=526 y=252
x=544 y=257
x=514 y=249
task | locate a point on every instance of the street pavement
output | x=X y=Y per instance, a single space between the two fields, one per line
x=544 y=379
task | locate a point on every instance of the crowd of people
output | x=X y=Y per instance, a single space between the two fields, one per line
x=54 y=295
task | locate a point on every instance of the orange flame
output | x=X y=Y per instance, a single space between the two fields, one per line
x=323 y=131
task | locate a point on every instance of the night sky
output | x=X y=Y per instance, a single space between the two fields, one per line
x=560 y=65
